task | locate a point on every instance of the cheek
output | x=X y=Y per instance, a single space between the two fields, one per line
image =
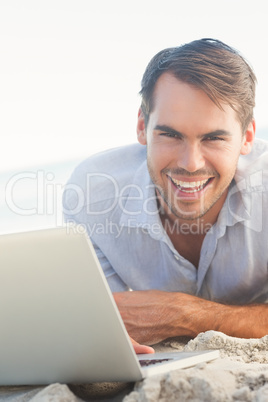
x=159 y=156
x=224 y=163
x=223 y=155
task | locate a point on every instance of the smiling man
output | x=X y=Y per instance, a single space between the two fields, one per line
x=181 y=218
x=193 y=148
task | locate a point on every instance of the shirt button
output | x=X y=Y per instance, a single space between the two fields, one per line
x=176 y=256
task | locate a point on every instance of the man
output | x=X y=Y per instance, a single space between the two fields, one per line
x=181 y=218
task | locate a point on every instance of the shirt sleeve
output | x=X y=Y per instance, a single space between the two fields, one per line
x=114 y=281
x=74 y=211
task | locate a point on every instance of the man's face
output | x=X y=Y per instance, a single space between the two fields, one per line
x=192 y=148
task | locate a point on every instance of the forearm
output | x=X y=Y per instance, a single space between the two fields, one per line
x=152 y=316
x=247 y=321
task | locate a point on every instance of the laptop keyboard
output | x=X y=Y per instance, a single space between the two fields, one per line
x=148 y=362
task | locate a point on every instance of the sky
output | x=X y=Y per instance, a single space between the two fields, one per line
x=70 y=70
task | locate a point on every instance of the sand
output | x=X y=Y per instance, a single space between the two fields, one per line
x=240 y=374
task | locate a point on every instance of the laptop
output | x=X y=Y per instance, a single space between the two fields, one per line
x=59 y=321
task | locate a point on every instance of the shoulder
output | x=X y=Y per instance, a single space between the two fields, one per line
x=255 y=161
x=260 y=148
x=101 y=177
x=126 y=158
x=252 y=180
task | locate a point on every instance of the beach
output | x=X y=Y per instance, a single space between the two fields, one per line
x=239 y=374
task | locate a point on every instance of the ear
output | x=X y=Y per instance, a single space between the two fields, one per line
x=141 y=131
x=248 y=138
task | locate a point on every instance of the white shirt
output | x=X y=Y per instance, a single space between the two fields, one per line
x=112 y=194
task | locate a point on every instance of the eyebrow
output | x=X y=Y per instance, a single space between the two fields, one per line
x=167 y=129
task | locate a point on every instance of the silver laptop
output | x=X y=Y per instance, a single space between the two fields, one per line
x=59 y=321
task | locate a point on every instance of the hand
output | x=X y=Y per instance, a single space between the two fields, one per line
x=139 y=349
x=150 y=316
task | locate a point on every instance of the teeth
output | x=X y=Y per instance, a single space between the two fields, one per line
x=190 y=186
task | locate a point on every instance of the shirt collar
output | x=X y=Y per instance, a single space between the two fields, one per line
x=241 y=204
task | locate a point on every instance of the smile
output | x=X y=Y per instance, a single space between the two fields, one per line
x=192 y=186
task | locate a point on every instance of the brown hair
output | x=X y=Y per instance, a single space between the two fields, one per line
x=210 y=65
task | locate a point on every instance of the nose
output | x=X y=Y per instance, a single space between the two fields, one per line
x=191 y=158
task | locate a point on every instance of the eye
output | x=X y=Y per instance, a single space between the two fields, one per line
x=167 y=135
x=170 y=135
x=214 y=138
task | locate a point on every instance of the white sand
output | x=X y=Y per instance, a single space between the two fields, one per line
x=241 y=373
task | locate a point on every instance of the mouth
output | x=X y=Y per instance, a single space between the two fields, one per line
x=190 y=187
